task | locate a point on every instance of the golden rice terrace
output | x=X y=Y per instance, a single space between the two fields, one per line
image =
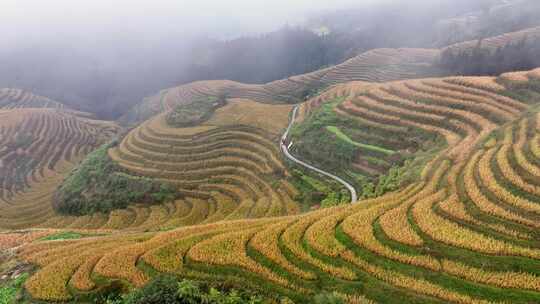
x=466 y=231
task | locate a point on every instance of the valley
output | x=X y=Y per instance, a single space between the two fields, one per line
x=379 y=180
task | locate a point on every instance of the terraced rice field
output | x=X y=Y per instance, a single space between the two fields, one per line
x=17 y=98
x=39 y=147
x=15 y=239
x=493 y=43
x=377 y=65
x=374 y=66
x=230 y=164
x=398 y=116
x=382 y=65
x=465 y=232
x=35 y=142
x=33 y=209
x=228 y=168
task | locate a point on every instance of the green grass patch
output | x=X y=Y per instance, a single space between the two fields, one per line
x=346 y=138
x=68 y=235
x=9 y=291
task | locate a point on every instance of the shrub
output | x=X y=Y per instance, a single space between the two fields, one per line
x=167 y=290
x=162 y=290
x=98 y=185
x=195 y=112
x=389 y=182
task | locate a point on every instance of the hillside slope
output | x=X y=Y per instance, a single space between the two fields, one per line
x=378 y=65
x=231 y=161
x=37 y=145
x=465 y=231
x=17 y=98
x=375 y=65
x=372 y=141
x=228 y=167
x=492 y=43
x=502 y=17
x=224 y=168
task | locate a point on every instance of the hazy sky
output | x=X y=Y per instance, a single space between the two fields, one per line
x=39 y=18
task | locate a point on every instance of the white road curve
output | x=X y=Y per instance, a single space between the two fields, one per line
x=285 y=150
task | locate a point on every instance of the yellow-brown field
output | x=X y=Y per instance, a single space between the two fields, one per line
x=272 y=118
x=465 y=232
x=229 y=167
x=36 y=142
x=39 y=147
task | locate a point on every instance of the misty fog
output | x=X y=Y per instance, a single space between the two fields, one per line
x=113 y=53
x=105 y=56
x=36 y=19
